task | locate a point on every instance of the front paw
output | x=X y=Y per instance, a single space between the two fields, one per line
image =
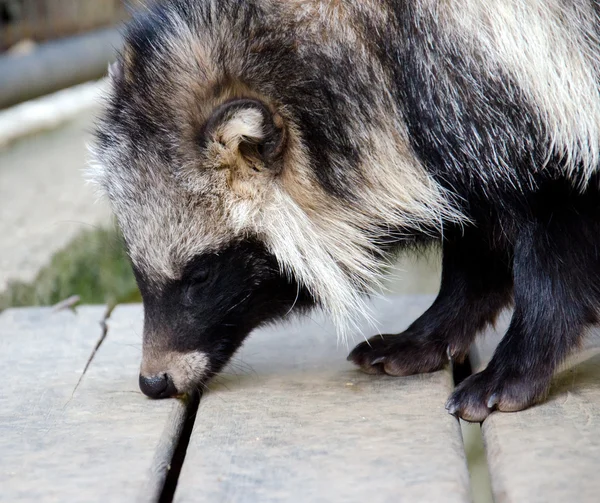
x=399 y=355
x=480 y=394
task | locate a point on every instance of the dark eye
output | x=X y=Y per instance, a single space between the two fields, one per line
x=200 y=276
x=196 y=285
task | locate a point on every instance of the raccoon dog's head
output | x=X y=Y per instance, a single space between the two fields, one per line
x=190 y=206
x=193 y=164
x=240 y=197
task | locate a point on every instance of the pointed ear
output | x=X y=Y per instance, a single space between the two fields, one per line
x=246 y=129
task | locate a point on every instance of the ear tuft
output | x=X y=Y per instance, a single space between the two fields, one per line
x=247 y=127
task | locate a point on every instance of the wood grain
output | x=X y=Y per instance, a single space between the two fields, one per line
x=291 y=420
x=103 y=441
x=550 y=452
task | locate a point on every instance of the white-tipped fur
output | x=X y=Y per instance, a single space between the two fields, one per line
x=551 y=50
x=244 y=123
x=328 y=246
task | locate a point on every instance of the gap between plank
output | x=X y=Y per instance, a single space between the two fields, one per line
x=170 y=452
x=172 y=447
x=479 y=475
x=170 y=484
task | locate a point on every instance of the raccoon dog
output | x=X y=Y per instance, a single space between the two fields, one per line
x=266 y=156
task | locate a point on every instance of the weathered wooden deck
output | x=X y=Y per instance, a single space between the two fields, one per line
x=290 y=420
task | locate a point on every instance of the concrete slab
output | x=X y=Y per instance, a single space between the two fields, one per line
x=291 y=420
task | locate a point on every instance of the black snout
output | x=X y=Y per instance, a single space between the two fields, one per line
x=159 y=386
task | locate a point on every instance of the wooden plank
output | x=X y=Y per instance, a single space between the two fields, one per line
x=550 y=452
x=293 y=421
x=102 y=442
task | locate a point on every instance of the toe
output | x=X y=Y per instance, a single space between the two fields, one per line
x=369 y=352
x=480 y=394
x=473 y=411
x=367 y=357
x=372 y=369
x=397 y=368
x=398 y=355
x=470 y=399
x=360 y=352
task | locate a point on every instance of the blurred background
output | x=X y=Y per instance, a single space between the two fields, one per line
x=41 y=20
x=56 y=241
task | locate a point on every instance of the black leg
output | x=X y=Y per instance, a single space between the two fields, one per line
x=476 y=285
x=556 y=290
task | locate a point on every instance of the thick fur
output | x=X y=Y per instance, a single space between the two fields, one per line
x=326 y=135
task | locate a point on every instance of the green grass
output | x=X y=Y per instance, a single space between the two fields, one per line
x=93 y=265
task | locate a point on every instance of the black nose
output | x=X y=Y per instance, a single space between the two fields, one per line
x=159 y=386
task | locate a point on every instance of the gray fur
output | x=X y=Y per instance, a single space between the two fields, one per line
x=325 y=218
